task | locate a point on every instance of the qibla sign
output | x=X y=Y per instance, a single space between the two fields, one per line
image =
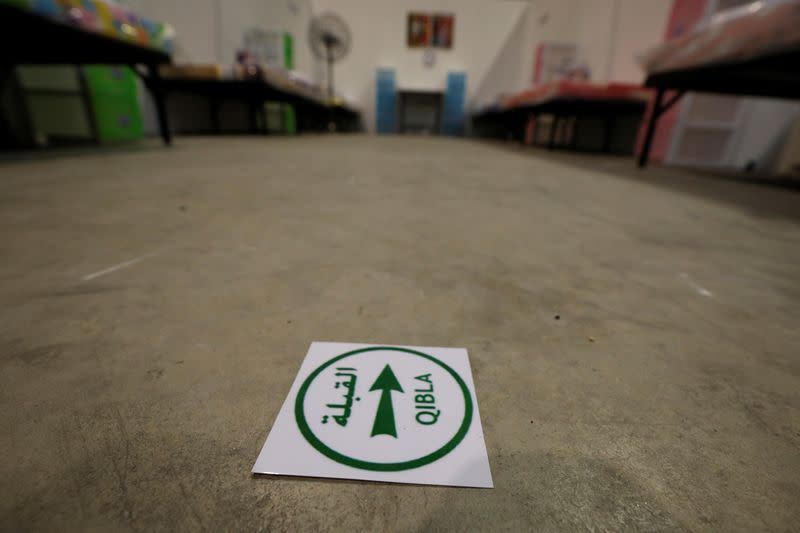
x=382 y=413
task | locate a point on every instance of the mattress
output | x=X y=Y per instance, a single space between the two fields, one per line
x=751 y=31
x=576 y=90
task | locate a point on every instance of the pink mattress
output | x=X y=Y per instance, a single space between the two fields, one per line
x=568 y=89
x=757 y=29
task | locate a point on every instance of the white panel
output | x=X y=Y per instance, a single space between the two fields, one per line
x=700 y=145
x=58 y=77
x=763 y=130
x=713 y=108
x=59 y=115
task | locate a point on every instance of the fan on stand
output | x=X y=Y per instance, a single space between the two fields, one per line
x=329 y=38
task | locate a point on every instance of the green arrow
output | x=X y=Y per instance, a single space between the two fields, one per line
x=384 y=418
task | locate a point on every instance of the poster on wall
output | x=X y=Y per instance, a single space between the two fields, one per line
x=555 y=61
x=419 y=30
x=443 y=31
x=264 y=46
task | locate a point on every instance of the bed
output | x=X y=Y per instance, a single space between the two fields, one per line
x=580 y=92
x=568 y=103
x=753 y=50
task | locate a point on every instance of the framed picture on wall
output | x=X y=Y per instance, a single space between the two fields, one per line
x=419 y=30
x=443 y=26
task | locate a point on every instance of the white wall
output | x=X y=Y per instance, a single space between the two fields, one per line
x=195 y=23
x=512 y=69
x=378 y=30
x=293 y=16
x=594 y=35
x=611 y=33
x=210 y=31
x=641 y=24
x=509 y=72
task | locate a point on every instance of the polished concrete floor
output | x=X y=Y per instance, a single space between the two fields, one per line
x=635 y=337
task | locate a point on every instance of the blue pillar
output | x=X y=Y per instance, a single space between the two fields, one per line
x=385 y=102
x=454 y=97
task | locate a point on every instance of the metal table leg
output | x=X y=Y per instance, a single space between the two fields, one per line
x=658 y=110
x=157 y=91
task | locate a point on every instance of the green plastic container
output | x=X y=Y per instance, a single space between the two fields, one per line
x=117 y=80
x=289 y=120
x=115 y=102
x=117 y=118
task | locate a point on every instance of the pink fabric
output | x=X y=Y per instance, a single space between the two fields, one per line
x=739 y=35
x=577 y=89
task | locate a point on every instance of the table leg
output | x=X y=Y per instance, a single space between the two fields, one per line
x=6 y=130
x=652 y=121
x=214 y=106
x=157 y=92
x=88 y=106
x=553 y=130
x=252 y=117
x=574 y=139
x=608 y=131
x=299 y=125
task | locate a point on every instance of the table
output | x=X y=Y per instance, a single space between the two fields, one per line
x=563 y=100
x=774 y=75
x=609 y=110
x=312 y=113
x=27 y=38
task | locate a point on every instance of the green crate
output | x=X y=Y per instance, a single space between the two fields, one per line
x=110 y=80
x=289 y=120
x=115 y=102
x=117 y=117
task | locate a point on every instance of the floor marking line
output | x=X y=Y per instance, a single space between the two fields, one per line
x=700 y=290
x=116 y=267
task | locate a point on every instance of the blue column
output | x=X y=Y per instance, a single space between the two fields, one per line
x=454 y=97
x=385 y=102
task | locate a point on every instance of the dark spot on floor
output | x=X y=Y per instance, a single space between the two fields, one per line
x=38 y=354
x=79 y=290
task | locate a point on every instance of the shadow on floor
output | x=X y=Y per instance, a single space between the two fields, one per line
x=553 y=492
x=81 y=150
x=766 y=197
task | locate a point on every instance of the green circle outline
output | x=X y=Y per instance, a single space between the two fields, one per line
x=321 y=447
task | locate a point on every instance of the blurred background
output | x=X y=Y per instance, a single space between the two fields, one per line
x=567 y=74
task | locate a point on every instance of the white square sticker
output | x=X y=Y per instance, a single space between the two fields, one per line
x=401 y=414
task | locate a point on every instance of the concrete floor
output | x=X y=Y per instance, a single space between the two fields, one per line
x=666 y=397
